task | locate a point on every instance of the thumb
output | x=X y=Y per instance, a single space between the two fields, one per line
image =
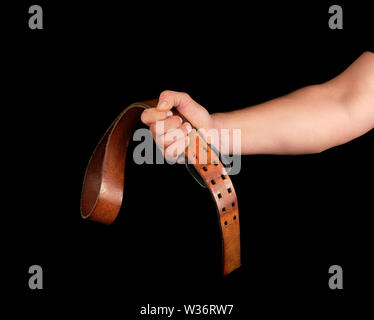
x=196 y=114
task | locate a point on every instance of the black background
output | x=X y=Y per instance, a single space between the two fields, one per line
x=299 y=214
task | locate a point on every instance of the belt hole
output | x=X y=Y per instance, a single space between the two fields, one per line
x=205 y=149
x=225 y=223
x=219 y=195
x=233 y=204
x=195 y=156
x=205 y=168
x=213 y=182
x=223 y=177
x=229 y=190
x=223 y=209
x=215 y=163
x=234 y=217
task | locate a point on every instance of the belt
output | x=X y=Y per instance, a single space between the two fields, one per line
x=104 y=179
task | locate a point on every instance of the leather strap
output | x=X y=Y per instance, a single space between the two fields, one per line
x=103 y=183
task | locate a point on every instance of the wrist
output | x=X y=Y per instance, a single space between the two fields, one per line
x=217 y=120
x=219 y=123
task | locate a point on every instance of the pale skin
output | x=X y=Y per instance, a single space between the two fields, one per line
x=308 y=120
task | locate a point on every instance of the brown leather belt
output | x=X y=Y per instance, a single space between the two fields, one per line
x=103 y=183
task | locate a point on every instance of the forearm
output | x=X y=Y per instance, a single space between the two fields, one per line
x=305 y=121
x=311 y=119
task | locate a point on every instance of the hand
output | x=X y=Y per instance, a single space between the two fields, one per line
x=173 y=139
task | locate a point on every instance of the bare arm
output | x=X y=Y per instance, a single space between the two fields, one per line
x=308 y=120
x=311 y=119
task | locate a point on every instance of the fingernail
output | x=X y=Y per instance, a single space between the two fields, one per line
x=169 y=113
x=188 y=127
x=162 y=104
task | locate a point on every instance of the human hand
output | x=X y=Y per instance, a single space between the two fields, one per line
x=170 y=131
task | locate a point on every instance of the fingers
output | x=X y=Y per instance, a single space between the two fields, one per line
x=166 y=128
x=169 y=99
x=197 y=115
x=165 y=138
x=152 y=115
x=176 y=134
x=161 y=127
x=174 y=151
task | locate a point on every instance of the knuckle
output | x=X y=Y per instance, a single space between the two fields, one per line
x=180 y=133
x=159 y=127
x=185 y=131
x=144 y=116
x=185 y=95
x=165 y=94
x=177 y=120
x=185 y=98
x=174 y=135
x=173 y=123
